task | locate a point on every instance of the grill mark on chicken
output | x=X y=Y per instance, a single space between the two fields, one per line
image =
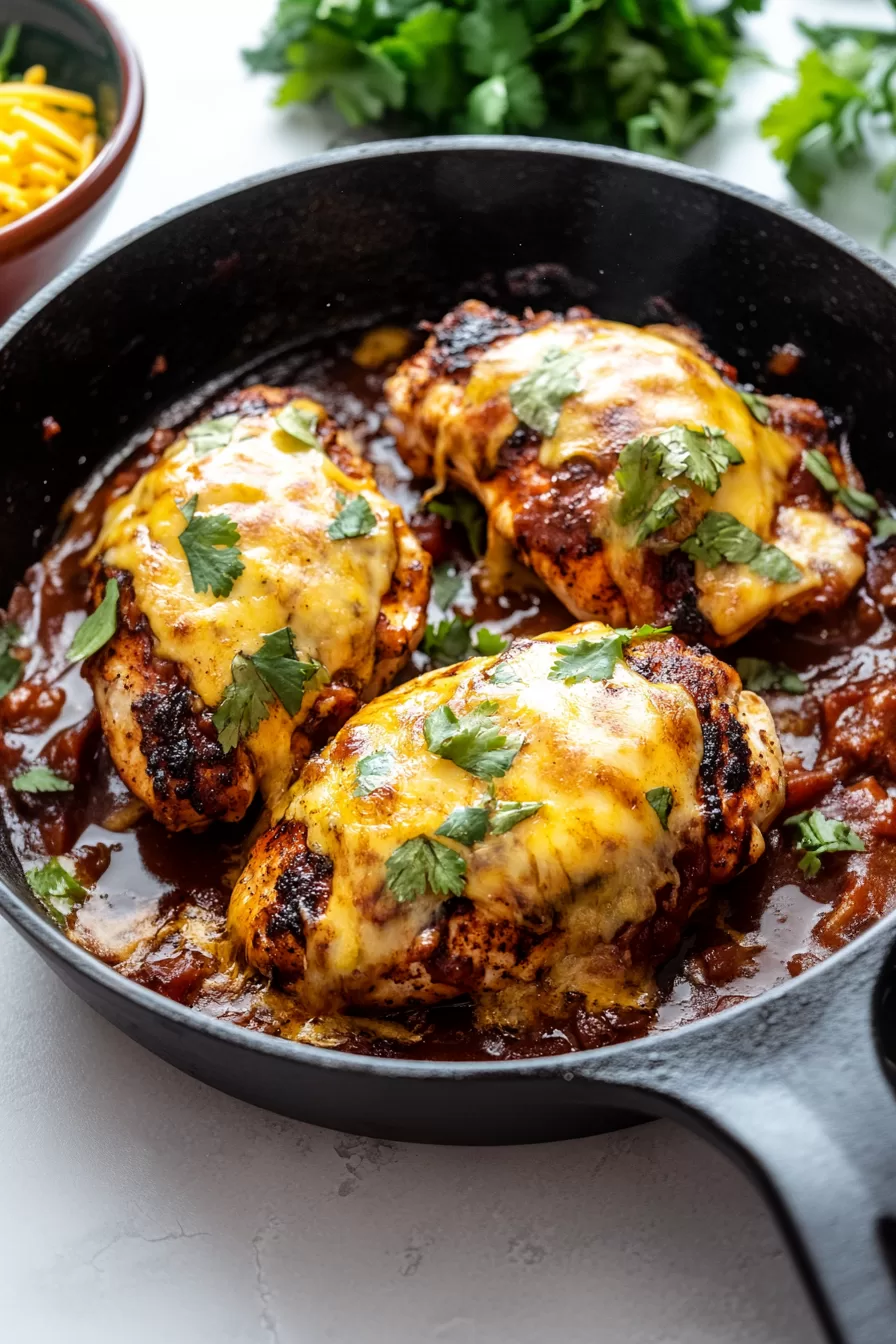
x=303 y=889
x=462 y=335
x=179 y=744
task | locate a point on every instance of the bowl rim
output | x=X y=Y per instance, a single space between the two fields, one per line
x=55 y=215
x=53 y=943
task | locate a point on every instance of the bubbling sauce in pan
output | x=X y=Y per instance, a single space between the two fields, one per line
x=157 y=903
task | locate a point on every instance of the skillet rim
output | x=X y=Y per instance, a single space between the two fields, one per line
x=39 y=929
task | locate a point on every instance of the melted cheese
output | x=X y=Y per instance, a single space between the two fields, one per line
x=636 y=382
x=282 y=501
x=595 y=854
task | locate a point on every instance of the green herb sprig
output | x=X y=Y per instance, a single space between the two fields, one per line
x=818 y=834
x=644 y=73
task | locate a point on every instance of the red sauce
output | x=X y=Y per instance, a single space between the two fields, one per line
x=159 y=916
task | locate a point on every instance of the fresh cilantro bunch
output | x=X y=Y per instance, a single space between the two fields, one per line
x=845 y=96
x=647 y=73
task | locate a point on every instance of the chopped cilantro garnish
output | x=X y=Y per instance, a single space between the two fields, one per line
x=354 y=519
x=209 y=542
x=489 y=642
x=758 y=674
x=596 y=659
x=422 y=865
x=756 y=404
x=469 y=825
x=475 y=741
x=448 y=642
x=372 y=772
x=300 y=424
x=506 y=815
x=456 y=506
x=661 y=800
x=285 y=673
x=538 y=397
x=246 y=702
x=11 y=668
x=720 y=536
x=504 y=674
x=211 y=434
x=99 y=627
x=56 y=889
x=700 y=456
x=859 y=503
x=446 y=584
x=818 y=834
x=41 y=779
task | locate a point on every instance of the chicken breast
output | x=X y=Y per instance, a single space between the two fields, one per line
x=267 y=589
x=521 y=828
x=624 y=466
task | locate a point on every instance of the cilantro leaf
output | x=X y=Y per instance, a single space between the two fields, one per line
x=8 y=48
x=209 y=542
x=596 y=659
x=246 y=702
x=11 y=668
x=818 y=466
x=701 y=456
x=469 y=825
x=756 y=404
x=300 y=424
x=99 y=627
x=422 y=865
x=448 y=642
x=860 y=504
x=475 y=741
x=647 y=73
x=354 y=519
x=283 y=671
x=56 y=889
x=818 y=834
x=538 y=397
x=506 y=815
x=446 y=584
x=758 y=674
x=504 y=674
x=720 y=537
x=886 y=528
x=41 y=779
x=372 y=772
x=489 y=642
x=661 y=800
x=815 y=129
x=456 y=506
x=211 y=434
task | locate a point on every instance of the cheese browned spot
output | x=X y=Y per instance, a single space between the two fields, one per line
x=552 y=895
x=549 y=500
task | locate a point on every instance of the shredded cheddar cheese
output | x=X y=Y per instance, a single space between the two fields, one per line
x=48 y=136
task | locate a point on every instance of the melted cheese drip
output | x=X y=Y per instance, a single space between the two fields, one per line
x=635 y=382
x=282 y=501
x=595 y=853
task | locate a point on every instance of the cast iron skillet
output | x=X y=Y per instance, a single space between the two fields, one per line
x=794 y=1085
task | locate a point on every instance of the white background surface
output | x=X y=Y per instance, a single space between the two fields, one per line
x=139 y=1206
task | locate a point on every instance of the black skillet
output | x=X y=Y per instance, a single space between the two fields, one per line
x=795 y=1085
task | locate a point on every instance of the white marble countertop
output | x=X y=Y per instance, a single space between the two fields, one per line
x=140 y=1205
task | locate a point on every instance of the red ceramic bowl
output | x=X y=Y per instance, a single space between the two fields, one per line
x=82 y=48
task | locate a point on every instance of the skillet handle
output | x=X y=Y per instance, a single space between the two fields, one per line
x=797 y=1091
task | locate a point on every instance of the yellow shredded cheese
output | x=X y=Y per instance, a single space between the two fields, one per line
x=48 y=136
